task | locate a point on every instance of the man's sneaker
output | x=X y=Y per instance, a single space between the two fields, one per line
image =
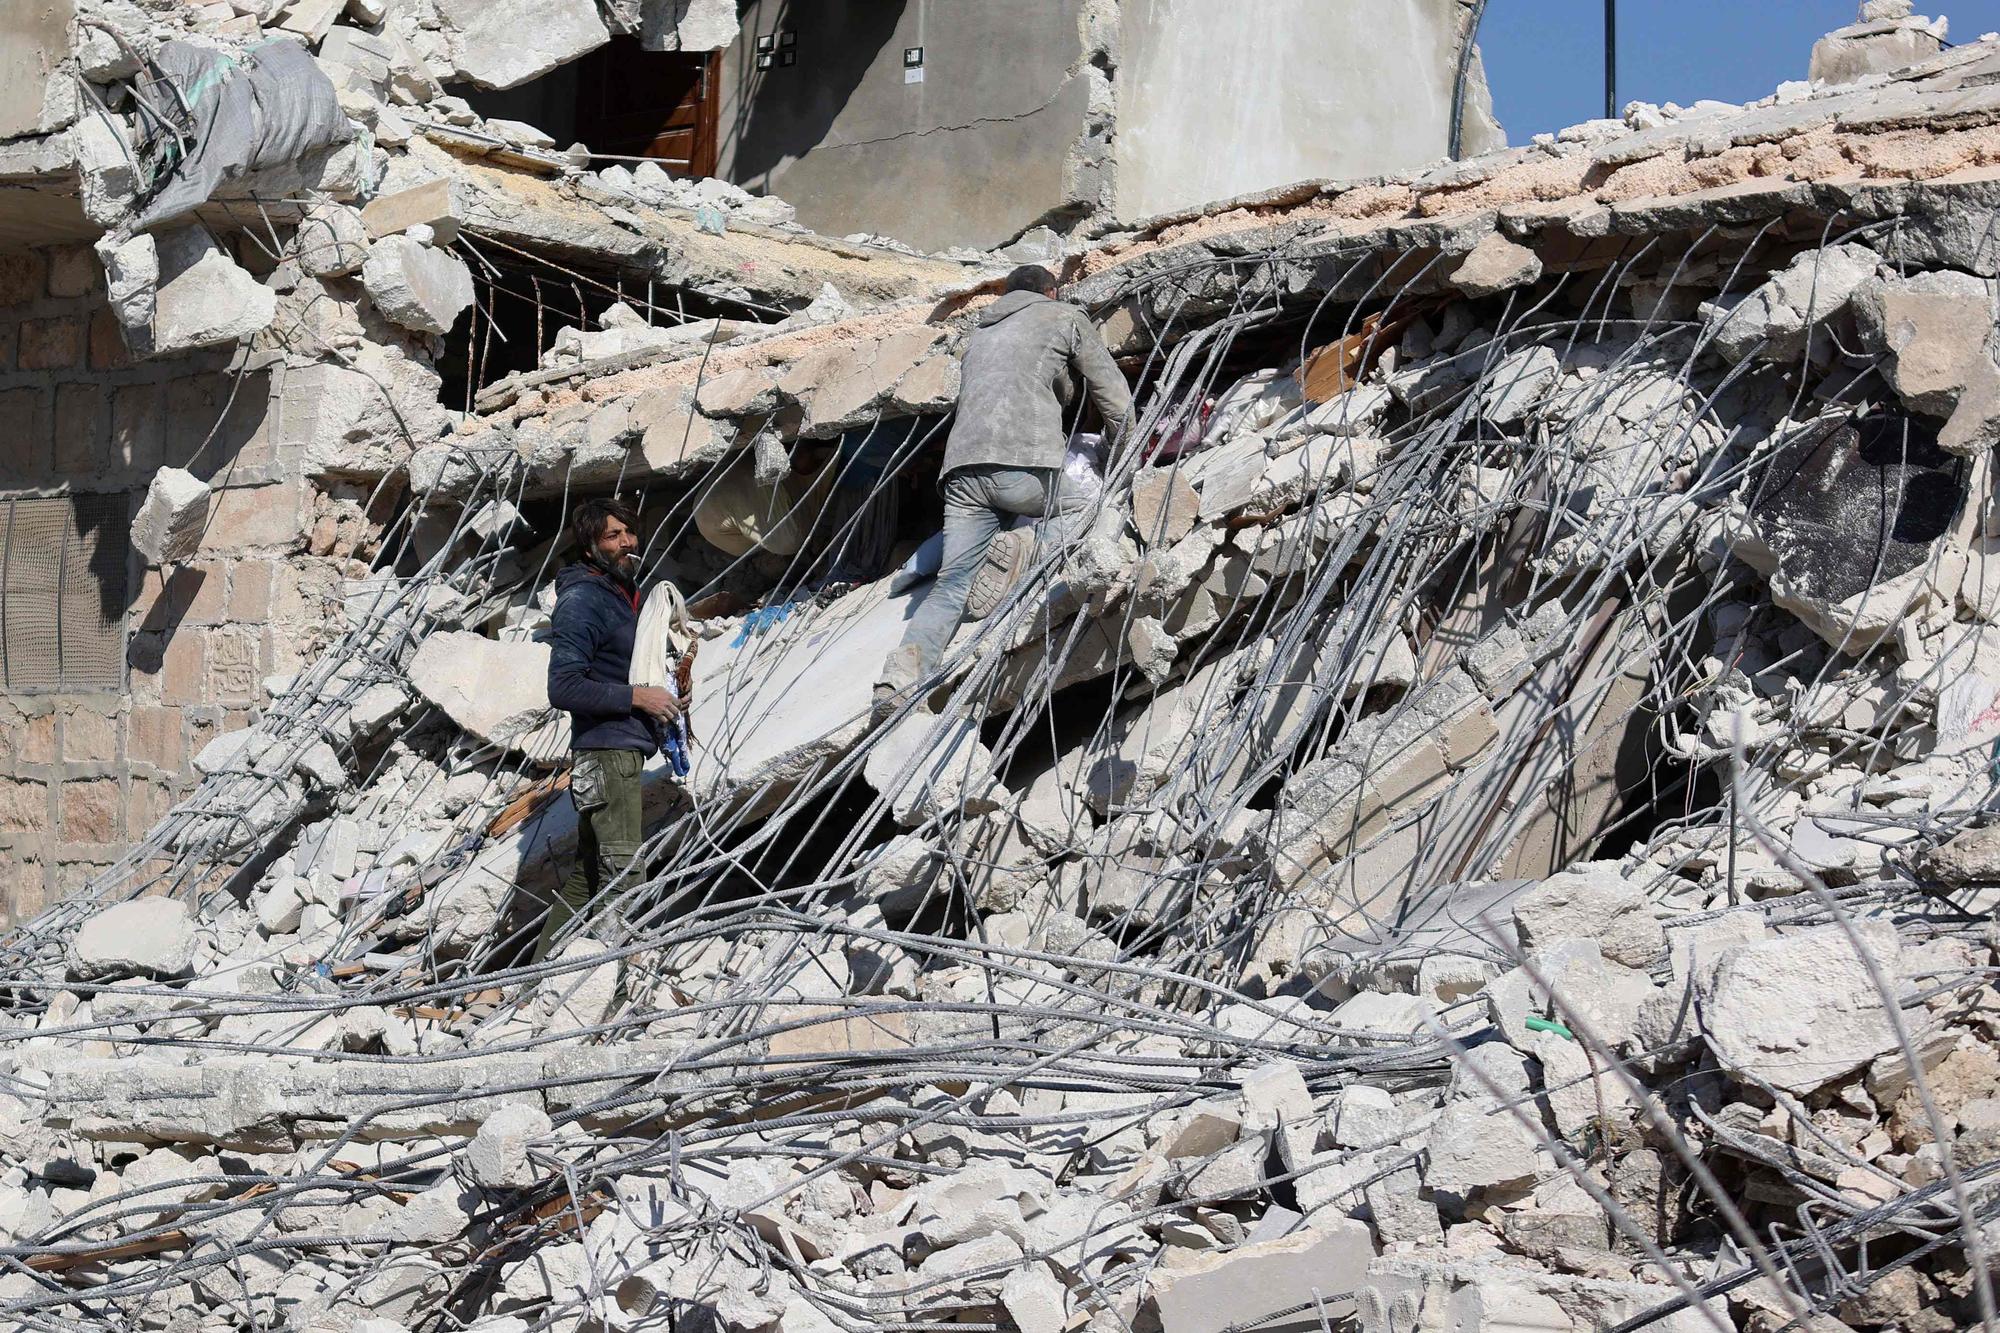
x=1005 y=564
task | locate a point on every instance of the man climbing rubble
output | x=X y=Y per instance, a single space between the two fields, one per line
x=614 y=725
x=1005 y=459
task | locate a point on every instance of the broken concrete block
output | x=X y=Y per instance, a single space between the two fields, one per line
x=582 y=998
x=1381 y=1012
x=132 y=280
x=434 y=204
x=1228 y=477
x=926 y=764
x=1400 y=1210
x=1402 y=1296
x=1592 y=902
x=1476 y=1145
x=1581 y=1097
x=192 y=1177
x=1771 y=320
x=674 y=439
x=357 y=420
x=978 y=1199
x=1035 y=1300
x=1934 y=327
x=896 y=876
x=170 y=520
x=1517 y=384
x=1207 y=1129
x=497 y=690
x=1800 y=1011
x=976 y=1265
x=1863 y=50
x=1228 y=1289
x=931 y=387
x=497 y=1156
x=750 y=391
x=1164 y=506
x=311 y=19
x=1971 y=857
x=505 y=44
x=1495 y=265
x=853 y=388
x=1357 y=412
x=687 y=25
x=146 y=936
x=416 y=285
x=857 y=1035
x=104 y=165
x=1365 y=1117
x=332 y=240
x=203 y=298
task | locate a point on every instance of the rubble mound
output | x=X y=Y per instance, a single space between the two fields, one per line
x=1485 y=825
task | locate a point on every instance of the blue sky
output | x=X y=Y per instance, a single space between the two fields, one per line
x=1545 y=58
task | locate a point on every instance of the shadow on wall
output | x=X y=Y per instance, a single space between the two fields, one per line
x=784 y=112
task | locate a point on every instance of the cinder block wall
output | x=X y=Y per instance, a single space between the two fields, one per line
x=82 y=775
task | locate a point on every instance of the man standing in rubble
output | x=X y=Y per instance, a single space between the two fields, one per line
x=614 y=725
x=1004 y=459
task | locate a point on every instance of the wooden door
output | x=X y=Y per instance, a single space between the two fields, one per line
x=658 y=104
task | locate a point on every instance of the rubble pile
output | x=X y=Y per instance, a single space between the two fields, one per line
x=1485 y=827
x=322 y=201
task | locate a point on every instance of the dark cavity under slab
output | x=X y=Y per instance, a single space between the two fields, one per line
x=1848 y=503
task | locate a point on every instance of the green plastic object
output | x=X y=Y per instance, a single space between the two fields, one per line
x=1536 y=1024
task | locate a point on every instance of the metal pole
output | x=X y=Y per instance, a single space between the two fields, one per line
x=1611 y=59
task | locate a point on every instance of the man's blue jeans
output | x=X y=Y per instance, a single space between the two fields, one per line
x=980 y=502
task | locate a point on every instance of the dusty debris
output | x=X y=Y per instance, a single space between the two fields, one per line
x=1494 y=781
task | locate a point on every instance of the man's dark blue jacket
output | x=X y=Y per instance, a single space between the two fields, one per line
x=590 y=661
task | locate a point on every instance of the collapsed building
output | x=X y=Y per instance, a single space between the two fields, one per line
x=1485 y=828
x=291 y=362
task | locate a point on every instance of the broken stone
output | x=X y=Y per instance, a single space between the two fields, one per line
x=203 y=298
x=1934 y=327
x=1517 y=384
x=1800 y=1011
x=332 y=241
x=1592 y=903
x=496 y=690
x=1495 y=265
x=746 y=392
x=926 y=764
x=169 y=524
x=1971 y=857
x=1772 y=320
x=434 y=204
x=415 y=285
x=132 y=279
x=1366 y=1117
x=497 y=1156
x=1164 y=506
x=1034 y=1300
x=1476 y=1145
x=1227 y=1289
x=505 y=44
x=149 y=936
x=1399 y=1209
x=1863 y=50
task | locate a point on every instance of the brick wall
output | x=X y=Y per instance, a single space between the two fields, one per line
x=82 y=775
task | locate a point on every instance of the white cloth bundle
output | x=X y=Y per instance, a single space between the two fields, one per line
x=662 y=638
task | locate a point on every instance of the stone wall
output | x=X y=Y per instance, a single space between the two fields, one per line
x=84 y=774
